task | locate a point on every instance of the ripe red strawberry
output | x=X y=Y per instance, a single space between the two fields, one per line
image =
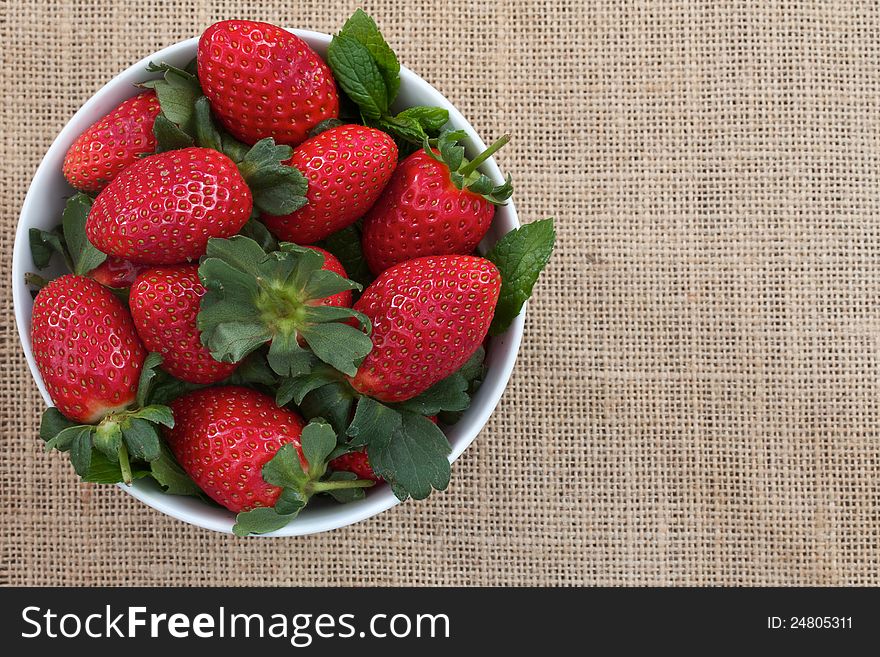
x=116 y=272
x=436 y=204
x=162 y=209
x=429 y=316
x=331 y=263
x=86 y=348
x=164 y=304
x=223 y=437
x=347 y=168
x=357 y=462
x=112 y=143
x=263 y=81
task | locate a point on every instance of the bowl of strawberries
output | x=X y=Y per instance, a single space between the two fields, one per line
x=270 y=282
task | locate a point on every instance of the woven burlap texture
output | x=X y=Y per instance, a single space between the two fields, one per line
x=696 y=399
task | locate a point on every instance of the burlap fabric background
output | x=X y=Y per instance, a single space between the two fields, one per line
x=696 y=401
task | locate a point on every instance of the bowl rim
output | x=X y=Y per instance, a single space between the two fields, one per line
x=308 y=523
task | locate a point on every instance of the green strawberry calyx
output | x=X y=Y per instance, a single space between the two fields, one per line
x=124 y=445
x=464 y=173
x=255 y=298
x=186 y=120
x=299 y=481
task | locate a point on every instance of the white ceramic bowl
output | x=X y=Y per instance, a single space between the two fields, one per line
x=42 y=209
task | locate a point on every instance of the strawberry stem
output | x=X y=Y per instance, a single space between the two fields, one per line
x=124 y=464
x=471 y=166
x=324 y=486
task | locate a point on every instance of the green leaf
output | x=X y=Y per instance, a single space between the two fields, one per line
x=104 y=471
x=339 y=345
x=345 y=495
x=81 y=450
x=287 y=358
x=363 y=29
x=63 y=440
x=294 y=389
x=520 y=256
x=318 y=439
x=44 y=244
x=84 y=255
x=156 y=414
x=206 y=133
x=169 y=137
x=258 y=232
x=166 y=389
x=108 y=439
x=170 y=476
x=450 y=394
x=52 y=423
x=358 y=74
x=177 y=92
x=237 y=252
x=148 y=374
x=290 y=502
x=415 y=460
x=332 y=402
x=325 y=125
x=259 y=521
x=141 y=438
x=285 y=469
x=346 y=246
x=278 y=189
x=373 y=423
x=430 y=119
x=263 y=154
x=254 y=370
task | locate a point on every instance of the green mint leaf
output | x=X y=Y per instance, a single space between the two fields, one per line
x=325 y=125
x=206 y=133
x=332 y=402
x=346 y=246
x=259 y=521
x=339 y=345
x=520 y=256
x=84 y=255
x=169 y=137
x=285 y=469
x=170 y=476
x=430 y=119
x=363 y=29
x=148 y=375
x=415 y=460
x=81 y=450
x=373 y=422
x=358 y=74
x=345 y=495
x=450 y=394
x=44 y=244
x=141 y=438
